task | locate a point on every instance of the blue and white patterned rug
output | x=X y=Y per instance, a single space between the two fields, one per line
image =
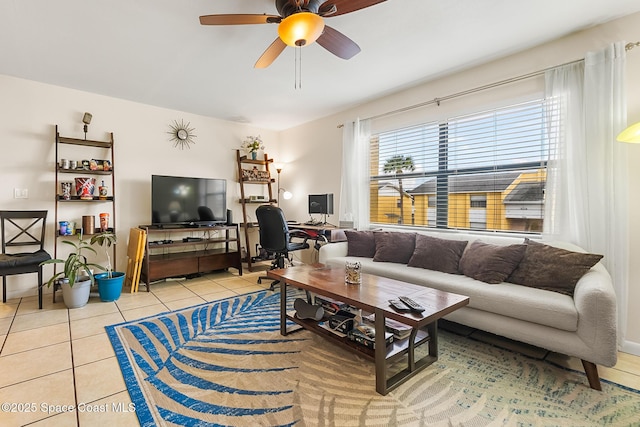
x=225 y=363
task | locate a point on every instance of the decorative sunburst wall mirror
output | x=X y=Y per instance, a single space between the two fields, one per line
x=181 y=134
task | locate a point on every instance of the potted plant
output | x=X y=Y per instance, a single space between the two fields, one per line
x=252 y=144
x=76 y=277
x=110 y=282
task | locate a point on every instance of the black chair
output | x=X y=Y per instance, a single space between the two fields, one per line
x=275 y=237
x=22 y=229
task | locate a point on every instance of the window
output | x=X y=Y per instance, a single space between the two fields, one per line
x=478 y=201
x=479 y=171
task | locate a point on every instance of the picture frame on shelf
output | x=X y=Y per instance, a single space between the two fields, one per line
x=255 y=175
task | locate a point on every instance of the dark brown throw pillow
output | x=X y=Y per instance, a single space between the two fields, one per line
x=554 y=269
x=394 y=246
x=491 y=263
x=360 y=243
x=437 y=254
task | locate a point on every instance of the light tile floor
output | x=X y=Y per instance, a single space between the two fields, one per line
x=54 y=358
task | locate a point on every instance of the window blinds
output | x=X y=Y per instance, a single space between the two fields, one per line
x=484 y=170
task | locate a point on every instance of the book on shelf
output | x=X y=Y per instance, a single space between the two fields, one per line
x=398 y=329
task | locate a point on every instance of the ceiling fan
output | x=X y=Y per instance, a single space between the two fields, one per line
x=300 y=23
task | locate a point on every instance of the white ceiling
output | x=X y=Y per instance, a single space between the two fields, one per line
x=156 y=52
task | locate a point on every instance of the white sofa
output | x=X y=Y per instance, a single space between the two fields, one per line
x=583 y=326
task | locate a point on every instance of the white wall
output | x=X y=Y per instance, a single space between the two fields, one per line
x=310 y=154
x=142 y=147
x=317 y=145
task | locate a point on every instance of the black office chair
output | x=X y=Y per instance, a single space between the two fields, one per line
x=275 y=237
x=22 y=229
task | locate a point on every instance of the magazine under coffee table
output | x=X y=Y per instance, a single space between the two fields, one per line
x=373 y=296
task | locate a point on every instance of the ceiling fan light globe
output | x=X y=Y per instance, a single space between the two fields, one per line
x=301 y=29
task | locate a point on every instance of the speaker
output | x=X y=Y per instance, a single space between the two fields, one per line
x=229 y=217
x=321 y=204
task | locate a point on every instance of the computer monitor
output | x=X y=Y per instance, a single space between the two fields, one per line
x=321 y=204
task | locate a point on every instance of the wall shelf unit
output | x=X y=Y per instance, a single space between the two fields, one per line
x=83 y=149
x=257 y=176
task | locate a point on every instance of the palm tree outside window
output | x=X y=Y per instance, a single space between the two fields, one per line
x=397 y=165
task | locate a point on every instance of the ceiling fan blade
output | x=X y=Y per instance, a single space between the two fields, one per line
x=270 y=55
x=345 y=6
x=337 y=43
x=239 y=19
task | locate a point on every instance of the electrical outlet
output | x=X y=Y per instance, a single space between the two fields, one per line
x=20 y=193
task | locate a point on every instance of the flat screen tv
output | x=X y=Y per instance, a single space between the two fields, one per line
x=177 y=200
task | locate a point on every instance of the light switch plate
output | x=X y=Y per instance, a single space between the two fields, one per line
x=20 y=193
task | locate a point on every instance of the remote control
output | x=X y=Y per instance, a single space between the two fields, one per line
x=414 y=306
x=399 y=305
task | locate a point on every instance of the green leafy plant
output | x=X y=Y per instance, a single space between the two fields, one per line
x=252 y=144
x=105 y=239
x=76 y=266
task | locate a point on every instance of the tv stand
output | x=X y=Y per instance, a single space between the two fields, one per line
x=164 y=226
x=179 y=256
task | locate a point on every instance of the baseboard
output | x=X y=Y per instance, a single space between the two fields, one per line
x=630 y=347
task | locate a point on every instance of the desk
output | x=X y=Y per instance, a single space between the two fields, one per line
x=330 y=232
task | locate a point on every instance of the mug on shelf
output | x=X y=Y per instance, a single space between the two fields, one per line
x=63 y=227
x=104 y=221
x=66 y=190
x=88 y=224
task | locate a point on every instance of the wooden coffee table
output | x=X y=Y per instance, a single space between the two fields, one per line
x=372 y=296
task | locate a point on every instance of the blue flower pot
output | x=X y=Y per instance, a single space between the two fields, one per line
x=109 y=288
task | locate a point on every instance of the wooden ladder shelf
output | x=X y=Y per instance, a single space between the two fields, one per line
x=258 y=175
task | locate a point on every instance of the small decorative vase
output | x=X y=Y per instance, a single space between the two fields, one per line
x=352 y=273
x=103 y=190
x=85 y=188
x=254 y=155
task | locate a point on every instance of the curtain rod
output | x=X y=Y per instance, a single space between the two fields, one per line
x=437 y=101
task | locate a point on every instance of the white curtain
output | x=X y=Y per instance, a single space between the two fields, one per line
x=354 y=194
x=587 y=181
x=566 y=174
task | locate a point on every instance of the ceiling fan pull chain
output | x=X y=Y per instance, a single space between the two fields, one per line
x=298 y=67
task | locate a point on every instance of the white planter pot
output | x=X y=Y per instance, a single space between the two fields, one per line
x=76 y=296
